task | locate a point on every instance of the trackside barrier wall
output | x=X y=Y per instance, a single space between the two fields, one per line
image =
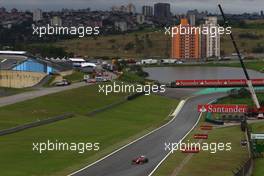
x=64 y=116
x=19 y=79
x=247 y=167
x=35 y=124
x=127 y=98
x=209 y=119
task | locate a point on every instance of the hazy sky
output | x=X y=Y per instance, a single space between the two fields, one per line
x=178 y=6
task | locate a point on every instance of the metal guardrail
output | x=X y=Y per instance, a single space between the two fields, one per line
x=244 y=169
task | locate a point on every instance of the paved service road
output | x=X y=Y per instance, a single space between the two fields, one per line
x=43 y=91
x=153 y=145
x=36 y=93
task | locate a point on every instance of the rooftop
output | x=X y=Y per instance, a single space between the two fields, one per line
x=14 y=52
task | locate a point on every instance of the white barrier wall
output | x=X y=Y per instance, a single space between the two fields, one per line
x=19 y=79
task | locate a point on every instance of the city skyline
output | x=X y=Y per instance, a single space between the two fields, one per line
x=177 y=6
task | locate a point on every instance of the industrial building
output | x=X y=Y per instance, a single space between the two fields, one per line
x=19 y=69
x=21 y=61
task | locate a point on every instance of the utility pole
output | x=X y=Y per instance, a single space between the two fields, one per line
x=249 y=82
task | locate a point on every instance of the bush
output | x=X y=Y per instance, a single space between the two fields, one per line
x=129 y=46
x=250 y=36
x=258 y=49
x=241 y=93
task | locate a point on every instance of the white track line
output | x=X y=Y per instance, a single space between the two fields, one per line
x=177 y=110
x=152 y=172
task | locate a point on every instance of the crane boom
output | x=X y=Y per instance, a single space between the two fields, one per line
x=249 y=82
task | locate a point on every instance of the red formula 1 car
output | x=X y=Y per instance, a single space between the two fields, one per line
x=140 y=160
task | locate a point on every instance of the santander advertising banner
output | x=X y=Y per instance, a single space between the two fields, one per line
x=221 y=108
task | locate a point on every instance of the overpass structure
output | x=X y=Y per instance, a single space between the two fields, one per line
x=216 y=83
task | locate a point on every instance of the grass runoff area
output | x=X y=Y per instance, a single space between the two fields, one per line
x=221 y=163
x=256 y=127
x=259 y=162
x=112 y=129
x=78 y=101
x=11 y=91
x=238 y=100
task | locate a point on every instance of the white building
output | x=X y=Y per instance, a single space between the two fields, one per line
x=192 y=20
x=121 y=26
x=212 y=39
x=56 y=21
x=140 y=19
x=131 y=8
x=147 y=11
x=37 y=15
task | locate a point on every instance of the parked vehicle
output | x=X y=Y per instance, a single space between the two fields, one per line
x=91 y=81
x=63 y=82
x=149 y=61
x=168 y=61
x=101 y=79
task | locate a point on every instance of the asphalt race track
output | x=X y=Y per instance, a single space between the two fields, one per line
x=153 y=145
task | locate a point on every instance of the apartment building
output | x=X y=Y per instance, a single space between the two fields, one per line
x=186 y=46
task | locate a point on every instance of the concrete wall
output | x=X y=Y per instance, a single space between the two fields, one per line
x=19 y=79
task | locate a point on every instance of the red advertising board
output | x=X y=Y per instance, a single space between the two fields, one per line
x=217 y=83
x=221 y=108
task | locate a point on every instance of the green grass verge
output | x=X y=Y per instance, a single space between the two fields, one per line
x=131 y=78
x=114 y=45
x=76 y=76
x=49 y=82
x=259 y=162
x=253 y=65
x=244 y=100
x=111 y=128
x=206 y=163
x=79 y=101
x=11 y=91
x=256 y=127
